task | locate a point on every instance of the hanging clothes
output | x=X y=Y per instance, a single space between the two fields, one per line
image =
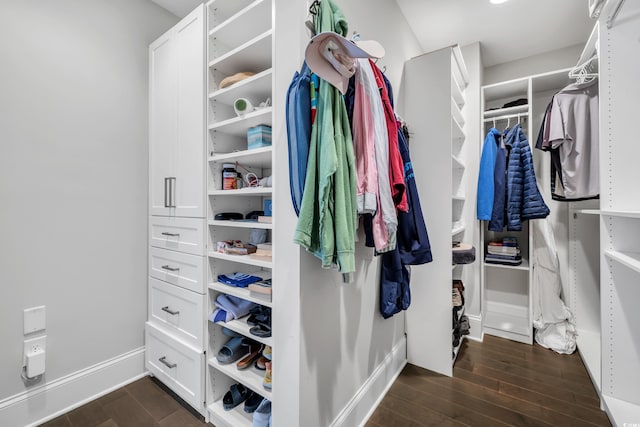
x=570 y=132
x=499 y=211
x=298 y=116
x=327 y=221
x=554 y=322
x=485 y=175
x=524 y=200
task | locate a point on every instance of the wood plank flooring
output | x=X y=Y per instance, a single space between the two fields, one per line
x=495 y=383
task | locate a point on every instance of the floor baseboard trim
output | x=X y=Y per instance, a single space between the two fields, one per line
x=475 y=328
x=45 y=402
x=362 y=405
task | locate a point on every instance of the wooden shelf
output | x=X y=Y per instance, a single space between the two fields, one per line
x=255 y=88
x=247 y=22
x=523 y=266
x=241 y=224
x=250 y=377
x=254 y=55
x=240 y=326
x=242 y=259
x=628 y=259
x=238 y=126
x=235 y=417
x=256 y=158
x=249 y=191
x=243 y=293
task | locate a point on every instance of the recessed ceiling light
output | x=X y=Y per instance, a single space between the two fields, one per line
x=498 y=1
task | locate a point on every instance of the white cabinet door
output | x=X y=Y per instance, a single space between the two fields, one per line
x=190 y=148
x=176 y=132
x=163 y=91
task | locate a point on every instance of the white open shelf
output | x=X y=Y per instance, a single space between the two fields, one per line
x=233 y=31
x=456 y=93
x=588 y=211
x=508 y=323
x=241 y=224
x=456 y=350
x=258 y=157
x=238 y=126
x=235 y=417
x=242 y=259
x=240 y=326
x=457 y=131
x=457 y=229
x=628 y=259
x=225 y=9
x=458 y=198
x=456 y=113
x=456 y=163
x=243 y=293
x=625 y=214
x=249 y=191
x=255 y=88
x=523 y=266
x=518 y=109
x=620 y=412
x=250 y=377
x=254 y=55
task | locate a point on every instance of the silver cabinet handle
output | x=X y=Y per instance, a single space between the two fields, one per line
x=171 y=312
x=167 y=190
x=165 y=233
x=172 y=192
x=169 y=365
x=166 y=267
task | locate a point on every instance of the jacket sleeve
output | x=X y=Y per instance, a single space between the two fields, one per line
x=485 y=178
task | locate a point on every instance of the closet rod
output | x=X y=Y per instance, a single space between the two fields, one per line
x=506 y=117
x=612 y=18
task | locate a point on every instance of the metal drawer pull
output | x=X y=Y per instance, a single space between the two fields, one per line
x=169 y=365
x=166 y=267
x=165 y=233
x=171 y=312
x=167 y=191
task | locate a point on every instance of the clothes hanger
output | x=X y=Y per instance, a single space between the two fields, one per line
x=314 y=8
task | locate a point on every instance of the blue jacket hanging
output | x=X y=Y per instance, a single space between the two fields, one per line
x=486 y=175
x=524 y=200
x=298 y=117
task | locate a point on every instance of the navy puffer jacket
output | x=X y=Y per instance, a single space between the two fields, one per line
x=524 y=200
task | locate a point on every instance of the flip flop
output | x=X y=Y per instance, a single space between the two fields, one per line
x=261 y=330
x=254 y=353
x=233 y=350
x=236 y=395
x=252 y=402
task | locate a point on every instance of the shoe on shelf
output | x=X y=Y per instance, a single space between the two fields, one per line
x=262 y=415
x=260 y=363
x=236 y=395
x=267 y=352
x=267 y=376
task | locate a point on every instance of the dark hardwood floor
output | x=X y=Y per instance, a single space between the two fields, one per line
x=496 y=383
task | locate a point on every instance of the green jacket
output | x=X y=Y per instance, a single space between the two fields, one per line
x=328 y=218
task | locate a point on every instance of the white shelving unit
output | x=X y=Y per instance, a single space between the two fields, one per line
x=240 y=39
x=432 y=347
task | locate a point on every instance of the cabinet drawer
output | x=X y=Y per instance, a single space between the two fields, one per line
x=176 y=364
x=184 y=270
x=178 y=234
x=177 y=311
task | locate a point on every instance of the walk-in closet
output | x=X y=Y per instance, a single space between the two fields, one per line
x=277 y=213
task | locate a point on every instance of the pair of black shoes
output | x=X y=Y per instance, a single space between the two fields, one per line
x=260 y=320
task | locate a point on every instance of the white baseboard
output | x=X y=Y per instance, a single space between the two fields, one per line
x=362 y=405
x=475 y=328
x=50 y=400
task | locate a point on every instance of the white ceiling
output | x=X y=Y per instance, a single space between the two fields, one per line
x=509 y=31
x=180 y=8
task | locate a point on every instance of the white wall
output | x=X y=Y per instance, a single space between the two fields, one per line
x=73 y=178
x=344 y=338
x=536 y=64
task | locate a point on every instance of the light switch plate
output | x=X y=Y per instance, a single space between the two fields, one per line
x=34 y=319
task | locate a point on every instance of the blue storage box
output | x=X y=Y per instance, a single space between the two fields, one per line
x=259 y=136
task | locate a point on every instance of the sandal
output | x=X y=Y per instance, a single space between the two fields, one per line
x=266 y=383
x=233 y=350
x=236 y=395
x=254 y=353
x=261 y=363
x=261 y=330
x=252 y=402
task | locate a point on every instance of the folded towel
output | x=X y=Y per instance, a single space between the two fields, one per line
x=234 y=306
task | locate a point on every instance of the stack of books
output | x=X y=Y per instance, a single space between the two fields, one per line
x=505 y=251
x=263 y=252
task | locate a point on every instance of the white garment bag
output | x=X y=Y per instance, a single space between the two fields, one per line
x=554 y=323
